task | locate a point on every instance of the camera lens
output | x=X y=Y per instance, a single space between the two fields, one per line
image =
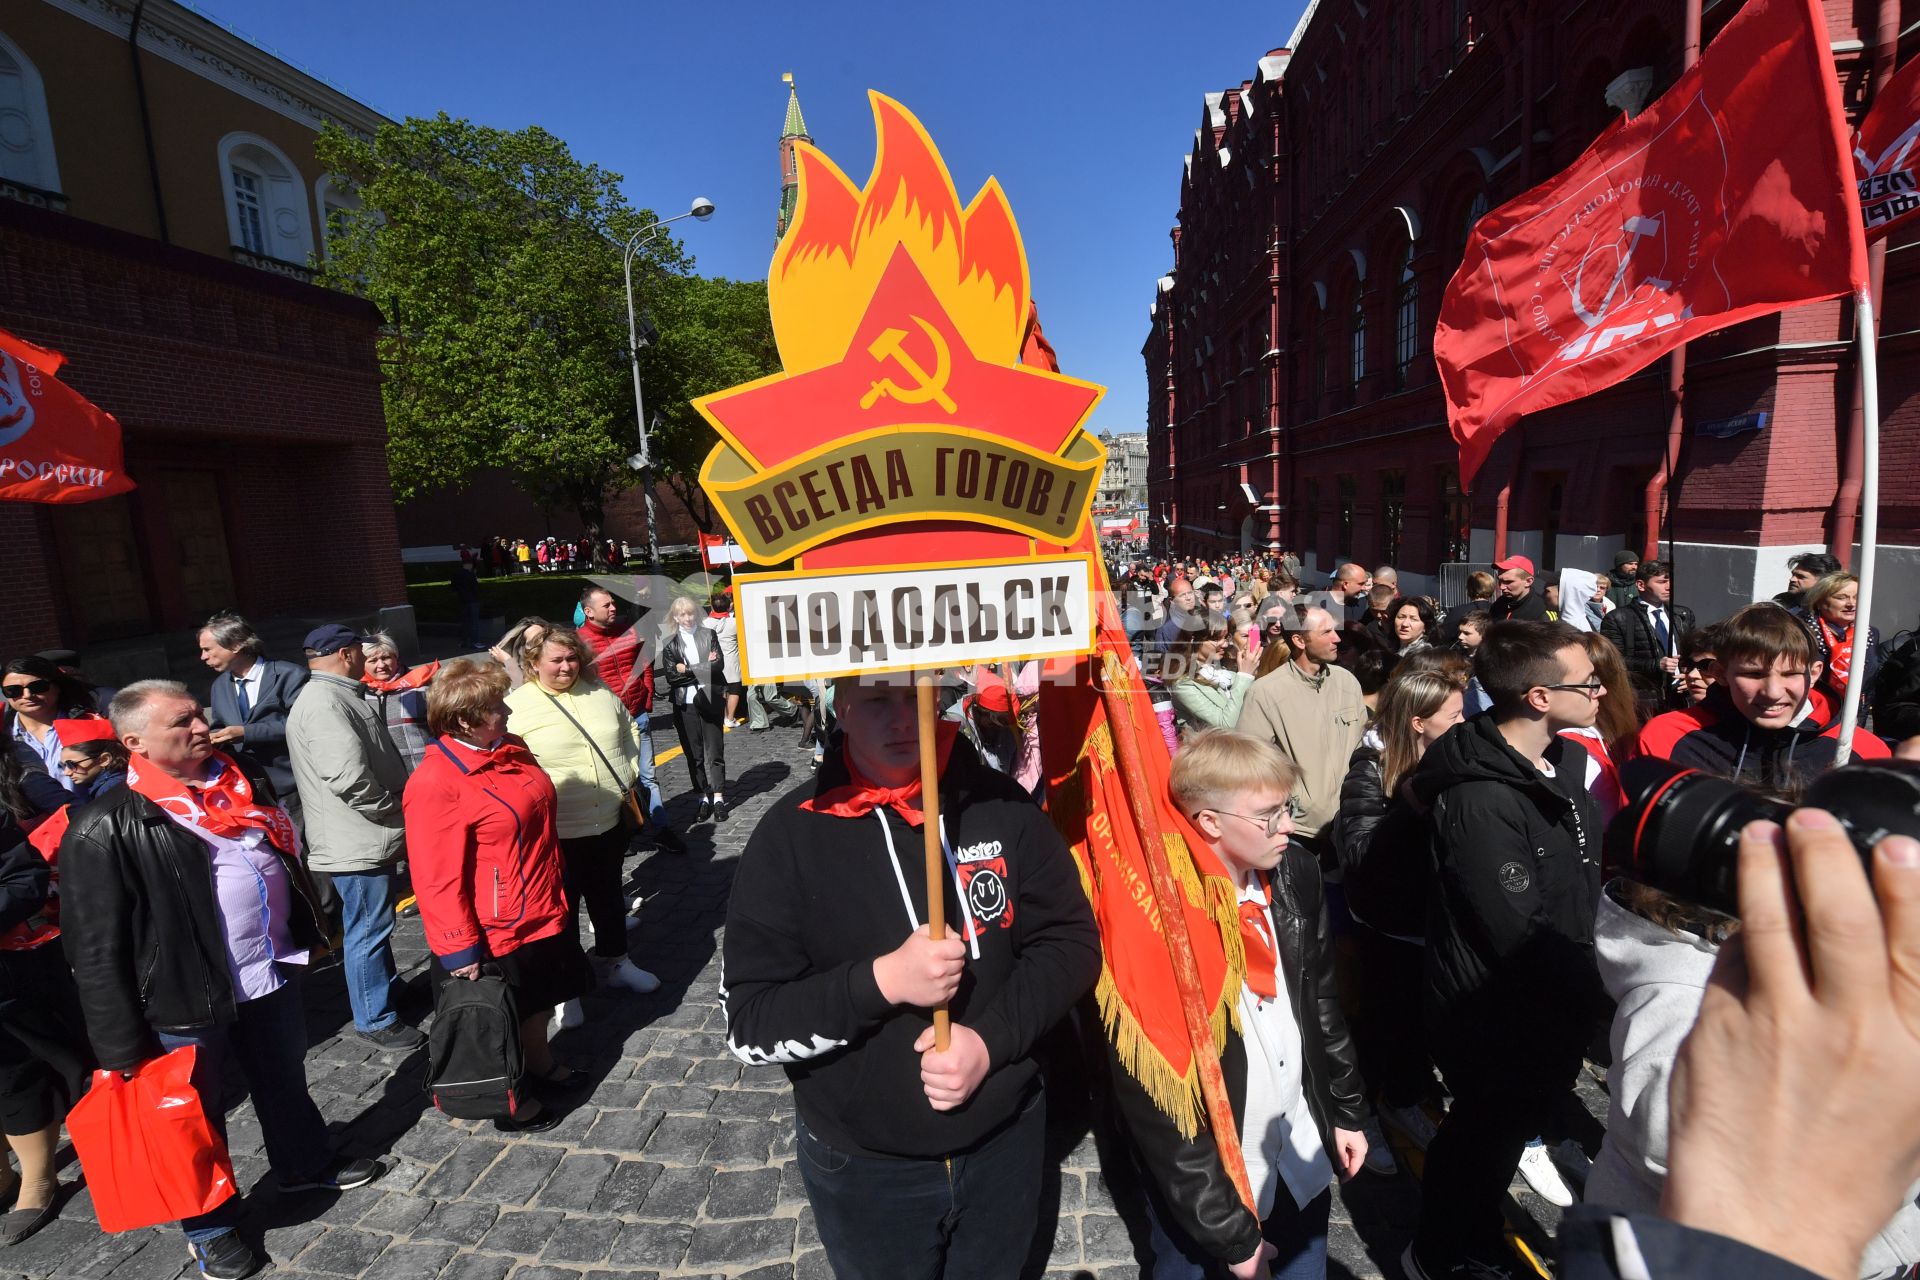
x=1873 y=800
x=1681 y=833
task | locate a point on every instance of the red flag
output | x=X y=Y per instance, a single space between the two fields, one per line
x=1706 y=209
x=1884 y=153
x=55 y=445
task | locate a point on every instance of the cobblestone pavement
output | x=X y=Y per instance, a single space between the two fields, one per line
x=678 y=1163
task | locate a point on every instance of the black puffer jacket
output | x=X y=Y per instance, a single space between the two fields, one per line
x=1511 y=978
x=1189 y=1174
x=141 y=923
x=1632 y=633
x=1382 y=847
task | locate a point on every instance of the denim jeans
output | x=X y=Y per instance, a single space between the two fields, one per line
x=656 y=803
x=264 y=1049
x=969 y=1217
x=1299 y=1236
x=366 y=916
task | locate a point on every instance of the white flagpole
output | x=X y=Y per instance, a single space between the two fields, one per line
x=1869 y=516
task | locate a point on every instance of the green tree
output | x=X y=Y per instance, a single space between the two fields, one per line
x=495 y=257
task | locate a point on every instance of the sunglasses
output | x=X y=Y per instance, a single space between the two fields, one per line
x=70 y=766
x=31 y=689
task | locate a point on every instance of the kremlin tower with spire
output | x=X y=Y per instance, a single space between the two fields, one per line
x=794 y=131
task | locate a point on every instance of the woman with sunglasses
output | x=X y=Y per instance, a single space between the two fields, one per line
x=37 y=694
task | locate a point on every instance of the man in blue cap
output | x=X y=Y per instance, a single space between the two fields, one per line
x=351 y=775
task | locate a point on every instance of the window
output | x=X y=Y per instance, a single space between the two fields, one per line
x=1345 y=530
x=1475 y=211
x=1311 y=517
x=1456 y=518
x=1393 y=509
x=268 y=207
x=1357 y=334
x=1407 y=317
x=26 y=132
x=246 y=199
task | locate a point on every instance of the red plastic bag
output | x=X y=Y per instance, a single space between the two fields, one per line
x=146 y=1146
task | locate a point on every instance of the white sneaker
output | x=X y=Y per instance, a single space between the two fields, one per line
x=1536 y=1166
x=566 y=1016
x=625 y=975
x=1572 y=1163
x=1413 y=1122
x=1379 y=1154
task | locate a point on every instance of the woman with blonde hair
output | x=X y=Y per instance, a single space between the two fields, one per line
x=1381 y=838
x=689 y=664
x=1829 y=613
x=581 y=734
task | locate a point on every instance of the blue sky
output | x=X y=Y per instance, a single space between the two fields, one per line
x=1082 y=110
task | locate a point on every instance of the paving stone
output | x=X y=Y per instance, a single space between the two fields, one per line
x=626 y=1188
x=458 y=1221
x=414 y=1260
x=283 y=1243
x=477 y=1266
x=733 y=1105
x=53 y=1244
x=748 y=1193
x=515 y=1177
x=546 y=1273
x=678 y=1194
x=576 y=1182
x=813 y=1265
x=622 y=1131
x=524 y=1233
x=776 y=1271
x=461 y=1168
x=398 y=1214
x=681 y=1139
x=742 y=1142
x=581 y=1240
x=680 y=1099
x=1103 y=1238
x=342 y=1251
x=161 y=1257
x=660 y=1070
x=734 y=1243
x=652 y=1244
x=103 y=1254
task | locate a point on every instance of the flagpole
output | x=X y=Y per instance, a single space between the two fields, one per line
x=928 y=709
x=1869 y=516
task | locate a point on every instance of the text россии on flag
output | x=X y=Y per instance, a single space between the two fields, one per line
x=1886 y=153
x=1704 y=210
x=55 y=444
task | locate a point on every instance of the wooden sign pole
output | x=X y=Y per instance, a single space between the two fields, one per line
x=930 y=826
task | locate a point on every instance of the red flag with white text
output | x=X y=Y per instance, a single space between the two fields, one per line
x=1885 y=155
x=1730 y=197
x=55 y=444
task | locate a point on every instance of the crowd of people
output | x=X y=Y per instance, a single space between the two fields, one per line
x=1409 y=802
x=497 y=556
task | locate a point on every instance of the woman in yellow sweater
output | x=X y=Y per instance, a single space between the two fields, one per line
x=583 y=737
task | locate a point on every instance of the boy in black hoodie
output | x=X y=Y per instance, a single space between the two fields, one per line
x=1513 y=992
x=916 y=1162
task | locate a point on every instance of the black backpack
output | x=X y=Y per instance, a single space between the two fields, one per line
x=474 y=1065
x=1895 y=696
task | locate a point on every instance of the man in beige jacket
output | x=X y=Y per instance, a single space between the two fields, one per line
x=1312 y=710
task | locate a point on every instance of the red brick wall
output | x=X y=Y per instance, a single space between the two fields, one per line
x=211 y=366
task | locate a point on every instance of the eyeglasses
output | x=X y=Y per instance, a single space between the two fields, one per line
x=1270 y=824
x=1699 y=664
x=1592 y=688
x=31 y=689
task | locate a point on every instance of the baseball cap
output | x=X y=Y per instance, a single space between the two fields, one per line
x=1521 y=563
x=330 y=639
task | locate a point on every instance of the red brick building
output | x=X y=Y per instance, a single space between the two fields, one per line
x=1324 y=206
x=159 y=208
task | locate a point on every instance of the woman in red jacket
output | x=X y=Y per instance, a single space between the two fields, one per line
x=486 y=862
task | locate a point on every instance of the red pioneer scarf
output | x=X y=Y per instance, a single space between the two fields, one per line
x=1839 y=654
x=224 y=806
x=859 y=797
x=415 y=678
x=1256 y=934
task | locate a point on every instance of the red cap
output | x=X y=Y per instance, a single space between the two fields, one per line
x=1521 y=563
x=74 y=732
x=992 y=695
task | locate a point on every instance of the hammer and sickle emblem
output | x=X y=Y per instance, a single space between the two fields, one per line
x=928 y=386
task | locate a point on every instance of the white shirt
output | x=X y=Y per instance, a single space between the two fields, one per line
x=1278 y=1137
x=1659 y=615
x=255 y=675
x=690 y=654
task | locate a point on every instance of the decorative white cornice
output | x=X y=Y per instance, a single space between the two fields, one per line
x=171 y=31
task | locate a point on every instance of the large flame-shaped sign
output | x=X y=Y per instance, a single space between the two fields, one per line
x=902 y=402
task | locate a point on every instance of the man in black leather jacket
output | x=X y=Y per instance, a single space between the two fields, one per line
x=1290 y=1067
x=184 y=922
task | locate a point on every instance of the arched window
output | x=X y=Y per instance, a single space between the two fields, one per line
x=333 y=201
x=26 y=131
x=1475 y=211
x=1357 y=336
x=266 y=199
x=1406 y=342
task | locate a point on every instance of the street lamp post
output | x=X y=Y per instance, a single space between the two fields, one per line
x=702 y=209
